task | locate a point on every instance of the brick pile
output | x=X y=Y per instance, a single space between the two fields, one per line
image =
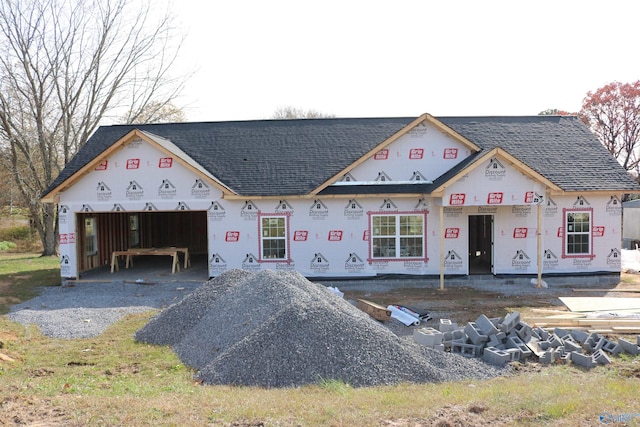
x=499 y=341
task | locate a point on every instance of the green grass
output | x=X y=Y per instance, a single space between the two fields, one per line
x=21 y=275
x=112 y=380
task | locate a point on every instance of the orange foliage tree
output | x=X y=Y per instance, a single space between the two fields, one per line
x=613 y=115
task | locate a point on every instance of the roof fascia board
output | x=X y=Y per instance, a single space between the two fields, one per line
x=424 y=117
x=499 y=152
x=324 y=196
x=53 y=196
x=593 y=192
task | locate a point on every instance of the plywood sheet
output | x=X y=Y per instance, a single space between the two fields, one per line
x=583 y=304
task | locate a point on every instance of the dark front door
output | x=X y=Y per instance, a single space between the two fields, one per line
x=480 y=244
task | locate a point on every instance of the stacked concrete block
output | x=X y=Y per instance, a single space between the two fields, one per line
x=466 y=349
x=429 y=337
x=474 y=333
x=486 y=325
x=510 y=320
x=517 y=343
x=523 y=331
x=572 y=346
x=446 y=325
x=496 y=356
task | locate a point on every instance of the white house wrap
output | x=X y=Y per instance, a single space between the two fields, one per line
x=349 y=197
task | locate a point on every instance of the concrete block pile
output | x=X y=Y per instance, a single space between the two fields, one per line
x=499 y=341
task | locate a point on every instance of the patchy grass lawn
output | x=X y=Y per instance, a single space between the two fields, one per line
x=22 y=274
x=112 y=380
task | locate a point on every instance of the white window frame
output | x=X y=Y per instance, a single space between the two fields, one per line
x=90 y=236
x=577 y=229
x=282 y=237
x=389 y=246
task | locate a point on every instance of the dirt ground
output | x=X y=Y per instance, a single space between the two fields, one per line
x=466 y=304
x=460 y=304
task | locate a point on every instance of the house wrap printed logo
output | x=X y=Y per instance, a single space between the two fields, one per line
x=353 y=210
x=216 y=212
x=65 y=266
x=614 y=258
x=167 y=190
x=521 y=260
x=549 y=260
x=217 y=264
x=550 y=209
x=319 y=263
x=134 y=191
x=318 y=210
x=249 y=211
x=250 y=263
x=614 y=206
x=200 y=190
x=103 y=192
x=495 y=171
x=63 y=212
x=453 y=261
x=354 y=264
x=283 y=206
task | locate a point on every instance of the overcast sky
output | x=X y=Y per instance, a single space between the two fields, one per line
x=402 y=58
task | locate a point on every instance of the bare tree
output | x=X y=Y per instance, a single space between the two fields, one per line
x=156 y=112
x=65 y=67
x=290 y=113
x=613 y=114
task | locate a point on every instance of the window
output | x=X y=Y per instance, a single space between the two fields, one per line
x=397 y=236
x=274 y=237
x=578 y=239
x=90 y=238
x=134 y=232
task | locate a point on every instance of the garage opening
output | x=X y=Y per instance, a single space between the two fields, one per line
x=99 y=234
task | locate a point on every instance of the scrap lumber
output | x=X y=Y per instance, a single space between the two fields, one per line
x=600 y=303
x=6 y=358
x=374 y=310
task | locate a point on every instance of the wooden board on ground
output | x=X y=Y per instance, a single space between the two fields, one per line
x=600 y=303
x=6 y=358
x=607 y=290
x=374 y=310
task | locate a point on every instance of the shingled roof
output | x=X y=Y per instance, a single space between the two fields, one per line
x=295 y=157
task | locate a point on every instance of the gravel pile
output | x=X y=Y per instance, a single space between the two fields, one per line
x=277 y=329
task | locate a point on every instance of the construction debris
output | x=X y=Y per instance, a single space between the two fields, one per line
x=374 y=310
x=595 y=314
x=499 y=341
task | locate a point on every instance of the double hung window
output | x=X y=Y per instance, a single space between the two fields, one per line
x=274 y=239
x=397 y=236
x=578 y=233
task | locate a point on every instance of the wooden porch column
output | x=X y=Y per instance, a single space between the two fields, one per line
x=441 y=209
x=540 y=255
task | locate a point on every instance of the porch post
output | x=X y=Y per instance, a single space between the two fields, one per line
x=539 y=245
x=441 y=209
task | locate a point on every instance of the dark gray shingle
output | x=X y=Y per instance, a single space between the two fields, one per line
x=293 y=157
